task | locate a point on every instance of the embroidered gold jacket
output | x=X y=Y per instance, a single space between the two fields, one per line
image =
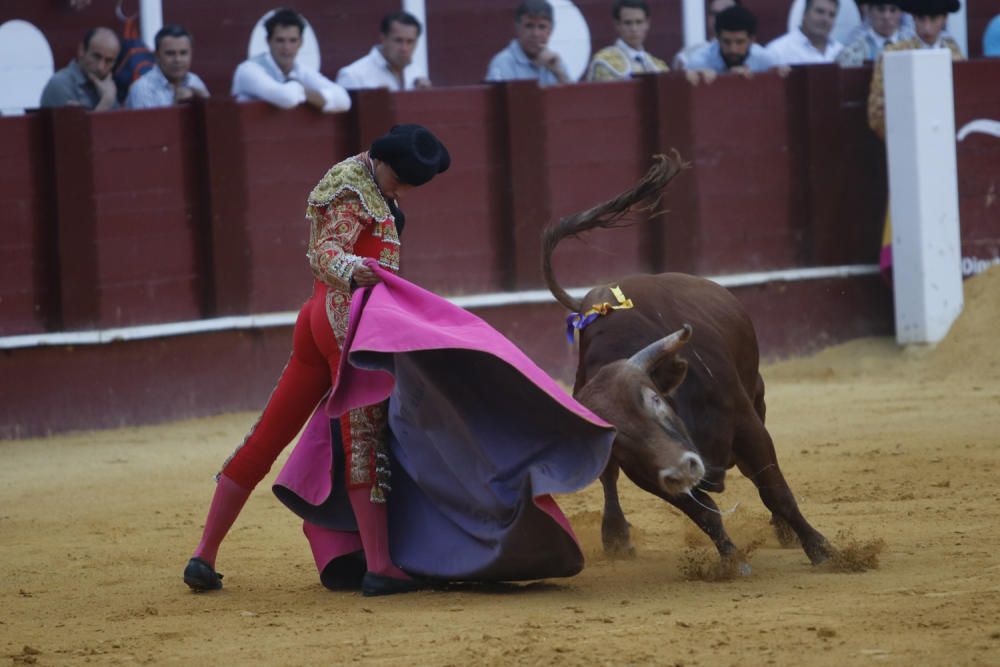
x=349 y=220
x=613 y=64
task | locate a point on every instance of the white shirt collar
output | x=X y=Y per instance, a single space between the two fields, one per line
x=805 y=41
x=294 y=74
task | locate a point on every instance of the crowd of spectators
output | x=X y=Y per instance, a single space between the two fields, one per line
x=279 y=77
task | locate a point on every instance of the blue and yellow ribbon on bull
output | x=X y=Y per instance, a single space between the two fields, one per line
x=579 y=321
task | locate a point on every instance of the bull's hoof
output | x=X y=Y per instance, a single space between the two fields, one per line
x=619 y=551
x=734 y=566
x=818 y=550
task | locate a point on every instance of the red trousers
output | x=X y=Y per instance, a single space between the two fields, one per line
x=307 y=377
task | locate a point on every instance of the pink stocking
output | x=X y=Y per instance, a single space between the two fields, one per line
x=328 y=544
x=373 y=523
x=227 y=502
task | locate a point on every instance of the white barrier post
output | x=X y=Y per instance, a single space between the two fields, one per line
x=150 y=20
x=418 y=68
x=923 y=191
x=694 y=22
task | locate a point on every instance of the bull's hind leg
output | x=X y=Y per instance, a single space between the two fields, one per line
x=756 y=459
x=701 y=509
x=614 y=528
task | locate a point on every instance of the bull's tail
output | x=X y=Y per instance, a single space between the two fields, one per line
x=609 y=214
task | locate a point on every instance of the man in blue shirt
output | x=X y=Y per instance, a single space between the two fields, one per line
x=733 y=50
x=528 y=55
x=171 y=80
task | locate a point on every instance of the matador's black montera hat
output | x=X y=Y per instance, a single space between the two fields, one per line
x=413 y=152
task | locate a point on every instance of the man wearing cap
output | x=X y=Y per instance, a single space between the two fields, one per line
x=929 y=17
x=627 y=56
x=353 y=216
x=528 y=55
x=883 y=17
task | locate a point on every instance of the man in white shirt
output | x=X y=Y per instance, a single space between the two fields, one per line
x=811 y=43
x=277 y=78
x=171 y=79
x=386 y=64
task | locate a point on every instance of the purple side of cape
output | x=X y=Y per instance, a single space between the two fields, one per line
x=480 y=436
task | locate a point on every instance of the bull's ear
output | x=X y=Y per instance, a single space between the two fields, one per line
x=669 y=374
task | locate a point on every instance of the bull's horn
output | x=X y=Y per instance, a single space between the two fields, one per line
x=647 y=357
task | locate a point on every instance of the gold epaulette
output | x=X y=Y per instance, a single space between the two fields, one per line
x=351 y=174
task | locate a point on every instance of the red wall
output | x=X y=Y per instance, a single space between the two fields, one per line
x=28 y=267
x=122 y=218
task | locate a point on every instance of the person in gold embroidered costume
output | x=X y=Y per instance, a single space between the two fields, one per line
x=626 y=56
x=930 y=17
x=352 y=216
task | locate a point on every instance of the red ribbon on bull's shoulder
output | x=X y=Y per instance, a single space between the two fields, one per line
x=579 y=321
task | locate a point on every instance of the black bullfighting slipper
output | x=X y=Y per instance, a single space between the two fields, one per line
x=200 y=576
x=376 y=584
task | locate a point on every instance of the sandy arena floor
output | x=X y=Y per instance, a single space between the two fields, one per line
x=891 y=454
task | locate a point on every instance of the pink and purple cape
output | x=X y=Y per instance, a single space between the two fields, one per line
x=480 y=440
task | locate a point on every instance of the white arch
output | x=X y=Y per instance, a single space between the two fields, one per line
x=570 y=38
x=26 y=65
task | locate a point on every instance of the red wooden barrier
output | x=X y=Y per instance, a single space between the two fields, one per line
x=263 y=162
x=978 y=160
x=129 y=201
x=28 y=266
x=454 y=239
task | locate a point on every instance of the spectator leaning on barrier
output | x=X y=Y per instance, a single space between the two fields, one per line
x=929 y=17
x=87 y=81
x=171 y=80
x=627 y=55
x=733 y=50
x=528 y=55
x=385 y=65
x=882 y=30
x=712 y=9
x=811 y=42
x=277 y=77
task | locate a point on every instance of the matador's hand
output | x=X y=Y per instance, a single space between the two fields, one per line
x=364 y=276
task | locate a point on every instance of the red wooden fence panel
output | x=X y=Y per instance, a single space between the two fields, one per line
x=454 y=237
x=28 y=266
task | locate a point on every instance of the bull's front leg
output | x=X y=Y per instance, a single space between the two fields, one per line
x=614 y=528
x=756 y=458
x=701 y=509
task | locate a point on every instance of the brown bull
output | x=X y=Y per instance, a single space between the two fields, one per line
x=677 y=375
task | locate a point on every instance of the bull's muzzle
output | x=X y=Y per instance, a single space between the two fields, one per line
x=683 y=476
